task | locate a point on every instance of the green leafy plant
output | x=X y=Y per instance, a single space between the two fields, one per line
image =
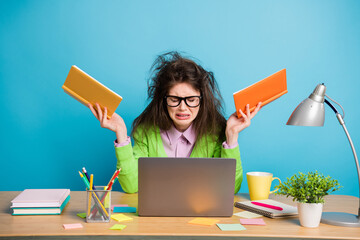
x=308 y=188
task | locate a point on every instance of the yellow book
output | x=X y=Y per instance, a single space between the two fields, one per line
x=86 y=89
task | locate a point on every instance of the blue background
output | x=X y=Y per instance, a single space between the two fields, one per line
x=47 y=137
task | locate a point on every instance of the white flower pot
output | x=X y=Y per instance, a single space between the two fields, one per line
x=310 y=214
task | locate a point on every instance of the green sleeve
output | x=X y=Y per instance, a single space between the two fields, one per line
x=234 y=153
x=127 y=159
x=222 y=152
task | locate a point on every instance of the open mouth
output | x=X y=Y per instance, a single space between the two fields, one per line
x=182 y=116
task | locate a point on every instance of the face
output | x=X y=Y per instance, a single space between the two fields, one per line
x=183 y=115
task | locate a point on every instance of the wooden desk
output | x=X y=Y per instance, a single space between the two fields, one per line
x=50 y=227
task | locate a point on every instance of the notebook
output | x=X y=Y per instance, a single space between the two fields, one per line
x=265 y=91
x=186 y=187
x=40 y=198
x=86 y=89
x=41 y=210
x=268 y=212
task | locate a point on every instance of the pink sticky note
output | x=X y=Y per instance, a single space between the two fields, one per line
x=118 y=205
x=73 y=226
x=252 y=221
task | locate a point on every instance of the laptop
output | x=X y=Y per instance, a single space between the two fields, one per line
x=186 y=187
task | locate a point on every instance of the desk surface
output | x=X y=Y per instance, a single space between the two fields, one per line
x=50 y=227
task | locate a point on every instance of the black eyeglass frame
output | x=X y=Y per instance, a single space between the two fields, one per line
x=181 y=99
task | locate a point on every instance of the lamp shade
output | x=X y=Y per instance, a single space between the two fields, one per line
x=311 y=111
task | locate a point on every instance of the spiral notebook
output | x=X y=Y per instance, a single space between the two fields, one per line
x=287 y=211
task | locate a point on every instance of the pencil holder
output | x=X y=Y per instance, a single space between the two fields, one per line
x=98 y=205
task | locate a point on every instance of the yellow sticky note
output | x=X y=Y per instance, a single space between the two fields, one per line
x=120 y=217
x=118 y=227
x=204 y=221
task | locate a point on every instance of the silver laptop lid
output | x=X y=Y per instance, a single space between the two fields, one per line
x=186 y=186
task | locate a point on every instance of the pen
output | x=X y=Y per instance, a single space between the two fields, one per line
x=98 y=200
x=108 y=187
x=267 y=206
x=85 y=180
x=91 y=183
x=113 y=179
x=87 y=176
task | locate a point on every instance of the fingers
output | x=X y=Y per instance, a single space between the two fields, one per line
x=102 y=117
x=99 y=111
x=247 y=110
x=105 y=115
x=258 y=106
x=93 y=110
x=246 y=119
x=246 y=116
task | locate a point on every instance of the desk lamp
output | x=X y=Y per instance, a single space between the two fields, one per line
x=311 y=112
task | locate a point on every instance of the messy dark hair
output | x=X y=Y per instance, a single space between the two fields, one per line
x=168 y=70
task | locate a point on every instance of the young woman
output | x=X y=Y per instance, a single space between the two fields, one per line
x=184 y=119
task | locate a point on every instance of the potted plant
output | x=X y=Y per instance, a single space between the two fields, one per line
x=309 y=191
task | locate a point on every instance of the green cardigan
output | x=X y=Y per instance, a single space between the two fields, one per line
x=151 y=145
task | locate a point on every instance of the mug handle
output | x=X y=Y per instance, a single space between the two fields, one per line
x=279 y=183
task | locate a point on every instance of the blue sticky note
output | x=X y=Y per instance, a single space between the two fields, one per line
x=124 y=210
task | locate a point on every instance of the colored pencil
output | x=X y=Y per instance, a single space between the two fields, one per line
x=97 y=199
x=114 y=177
x=91 y=183
x=88 y=178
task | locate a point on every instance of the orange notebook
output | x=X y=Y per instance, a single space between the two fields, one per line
x=86 y=89
x=265 y=91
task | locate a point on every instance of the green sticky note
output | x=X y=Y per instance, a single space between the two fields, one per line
x=231 y=227
x=118 y=227
x=82 y=215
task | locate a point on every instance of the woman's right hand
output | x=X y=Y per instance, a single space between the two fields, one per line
x=115 y=123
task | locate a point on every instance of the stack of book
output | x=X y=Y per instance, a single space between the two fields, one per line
x=40 y=201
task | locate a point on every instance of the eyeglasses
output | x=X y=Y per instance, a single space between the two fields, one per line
x=191 y=101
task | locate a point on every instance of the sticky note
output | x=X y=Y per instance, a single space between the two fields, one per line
x=246 y=214
x=120 y=217
x=231 y=227
x=255 y=221
x=82 y=215
x=204 y=221
x=118 y=205
x=73 y=226
x=124 y=210
x=118 y=227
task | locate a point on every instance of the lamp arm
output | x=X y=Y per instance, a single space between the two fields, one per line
x=354 y=152
x=331 y=106
x=342 y=123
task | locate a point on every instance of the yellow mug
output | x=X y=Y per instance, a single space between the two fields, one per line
x=259 y=184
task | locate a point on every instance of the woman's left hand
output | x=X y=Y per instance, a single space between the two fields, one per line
x=235 y=125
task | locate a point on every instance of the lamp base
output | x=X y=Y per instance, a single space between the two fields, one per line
x=340 y=219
